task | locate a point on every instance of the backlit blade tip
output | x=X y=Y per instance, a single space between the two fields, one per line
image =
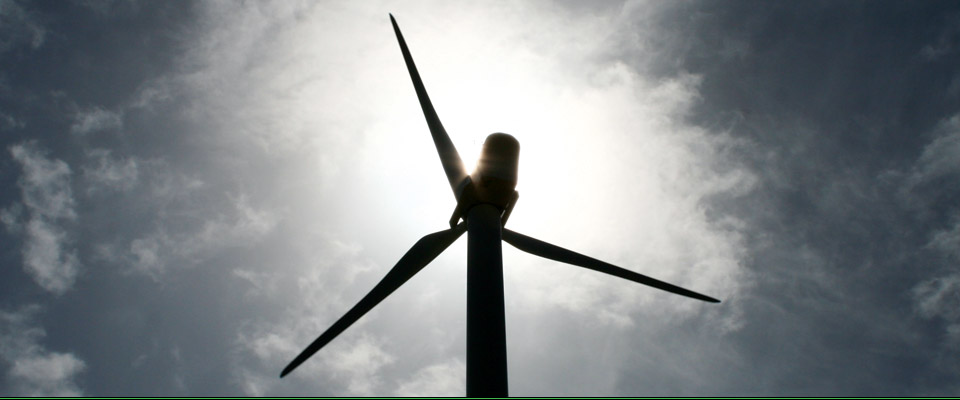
x=293 y=365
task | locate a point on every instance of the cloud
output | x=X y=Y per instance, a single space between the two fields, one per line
x=315 y=284
x=48 y=199
x=10 y=218
x=941 y=157
x=110 y=172
x=185 y=245
x=32 y=369
x=838 y=230
x=264 y=183
x=153 y=92
x=939 y=298
x=445 y=379
x=52 y=266
x=933 y=181
x=95 y=119
x=947 y=241
x=48 y=375
x=18 y=27
x=622 y=162
x=946 y=41
x=360 y=364
x=8 y=122
x=45 y=182
x=246 y=224
x=147 y=258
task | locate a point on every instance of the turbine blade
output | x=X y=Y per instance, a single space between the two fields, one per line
x=449 y=157
x=424 y=251
x=556 y=253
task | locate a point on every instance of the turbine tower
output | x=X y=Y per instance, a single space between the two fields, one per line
x=485 y=199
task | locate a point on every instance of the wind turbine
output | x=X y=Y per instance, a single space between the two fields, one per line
x=485 y=199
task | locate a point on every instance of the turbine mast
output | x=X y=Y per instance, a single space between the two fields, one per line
x=486 y=326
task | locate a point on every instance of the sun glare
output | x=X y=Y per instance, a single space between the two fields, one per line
x=507 y=106
x=481 y=85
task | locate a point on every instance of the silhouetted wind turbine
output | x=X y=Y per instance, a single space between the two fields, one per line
x=484 y=202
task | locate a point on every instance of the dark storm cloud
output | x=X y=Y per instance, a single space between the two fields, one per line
x=90 y=145
x=19 y=27
x=842 y=107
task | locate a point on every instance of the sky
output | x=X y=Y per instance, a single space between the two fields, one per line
x=193 y=191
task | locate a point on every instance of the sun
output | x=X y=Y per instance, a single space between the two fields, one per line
x=510 y=107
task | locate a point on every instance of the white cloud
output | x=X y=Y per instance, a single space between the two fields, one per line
x=10 y=217
x=44 y=255
x=245 y=224
x=34 y=370
x=331 y=129
x=605 y=150
x=444 y=379
x=45 y=182
x=945 y=42
x=146 y=254
x=309 y=283
x=153 y=92
x=261 y=283
x=942 y=156
x=110 y=172
x=947 y=241
x=359 y=364
x=258 y=352
x=939 y=167
x=939 y=298
x=185 y=244
x=94 y=120
x=644 y=201
x=45 y=185
x=48 y=375
x=355 y=362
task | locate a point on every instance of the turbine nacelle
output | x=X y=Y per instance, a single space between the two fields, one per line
x=498 y=161
x=494 y=180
